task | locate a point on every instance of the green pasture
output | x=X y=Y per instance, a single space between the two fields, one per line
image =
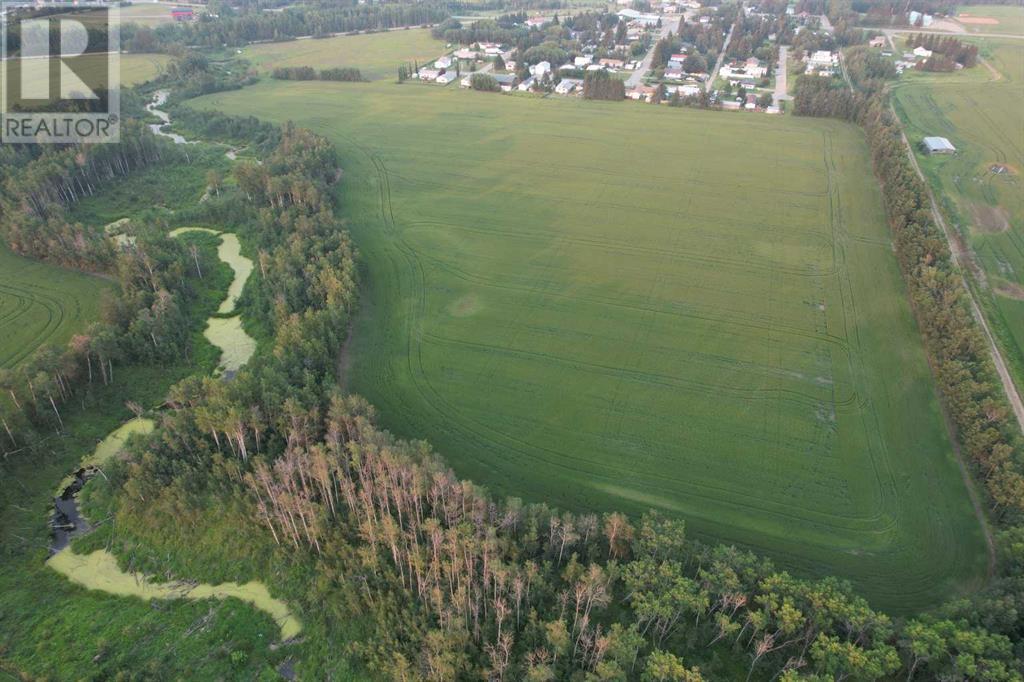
x=1009 y=18
x=980 y=111
x=617 y=306
x=93 y=69
x=377 y=55
x=42 y=304
x=151 y=14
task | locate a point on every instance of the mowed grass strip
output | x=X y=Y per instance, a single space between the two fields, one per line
x=615 y=306
x=40 y=304
x=377 y=55
x=981 y=111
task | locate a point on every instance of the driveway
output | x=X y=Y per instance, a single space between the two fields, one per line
x=781 y=92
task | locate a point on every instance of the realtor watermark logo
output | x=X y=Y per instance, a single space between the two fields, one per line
x=60 y=82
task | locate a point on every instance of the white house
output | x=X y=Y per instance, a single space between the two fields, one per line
x=539 y=69
x=922 y=52
x=466 y=53
x=443 y=62
x=822 y=59
x=536 y=22
x=445 y=78
x=583 y=61
x=527 y=84
x=429 y=74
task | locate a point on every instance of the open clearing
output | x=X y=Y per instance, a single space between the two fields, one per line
x=41 y=304
x=133 y=69
x=612 y=306
x=378 y=55
x=992 y=19
x=981 y=186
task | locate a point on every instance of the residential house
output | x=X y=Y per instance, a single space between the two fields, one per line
x=540 y=69
x=444 y=62
x=445 y=78
x=674 y=75
x=583 y=60
x=877 y=42
x=613 y=63
x=537 y=22
x=568 y=85
x=922 y=53
x=466 y=53
x=505 y=80
x=429 y=74
x=643 y=93
x=527 y=84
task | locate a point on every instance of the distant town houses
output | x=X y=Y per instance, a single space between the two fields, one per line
x=877 y=42
x=540 y=69
x=751 y=68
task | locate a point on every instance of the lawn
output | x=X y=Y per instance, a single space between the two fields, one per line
x=149 y=14
x=983 y=118
x=979 y=19
x=41 y=304
x=616 y=306
x=377 y=55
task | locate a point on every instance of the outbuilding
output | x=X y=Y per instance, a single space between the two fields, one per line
x=937 y=145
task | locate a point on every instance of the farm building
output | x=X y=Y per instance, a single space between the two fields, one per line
x=937 y=145
x=182 y=14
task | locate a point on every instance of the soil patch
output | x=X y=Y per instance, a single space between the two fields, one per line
x=1010 y=290
x=980 y=21
x=990 y=219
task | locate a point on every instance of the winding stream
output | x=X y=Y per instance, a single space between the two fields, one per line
x=226 y=333
x=99 y=570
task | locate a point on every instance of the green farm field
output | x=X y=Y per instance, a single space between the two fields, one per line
x=378 y=55
x=41 y=304
x=614 y=306
x=981 y=111
x=979 y=19
x=133 y=69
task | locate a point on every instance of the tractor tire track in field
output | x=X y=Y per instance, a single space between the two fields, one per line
x=1013 y=397
x=28 y=299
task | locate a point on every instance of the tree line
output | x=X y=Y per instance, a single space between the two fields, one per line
x=950 y=50
x=308 y=73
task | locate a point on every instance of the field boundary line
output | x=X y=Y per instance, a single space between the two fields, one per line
x=1009 y=388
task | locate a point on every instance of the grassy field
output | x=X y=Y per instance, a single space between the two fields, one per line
x=92 y=69
x=378 y=55
x=41 y=304
x=150 y=14
x=981 y=113
x=613 y=306
x=979 y=18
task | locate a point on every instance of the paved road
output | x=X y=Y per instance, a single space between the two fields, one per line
x=781 y=92
x=721 y=56
x=637 y=77
x=960 y=258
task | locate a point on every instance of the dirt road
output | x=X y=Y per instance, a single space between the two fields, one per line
x=960 y=259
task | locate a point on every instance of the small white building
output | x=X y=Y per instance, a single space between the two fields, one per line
x=527 y=84
x=429 y=74
x=540 y=69
x=444 y=62
x=584 y=60
x=466 y=53
x=922 y=53
x=445 y=78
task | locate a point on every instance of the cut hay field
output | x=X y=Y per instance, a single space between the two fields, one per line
x=983 y=115
x=378 y=55
x=41 y=304
x=614 y=306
